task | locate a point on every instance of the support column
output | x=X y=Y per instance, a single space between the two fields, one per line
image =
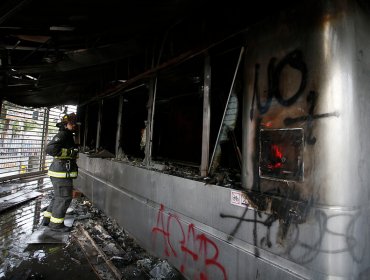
x=206 y=117
x=149 y=130
x=45 y=133
x=98 y=130
x=119 y=125
x=86 y=126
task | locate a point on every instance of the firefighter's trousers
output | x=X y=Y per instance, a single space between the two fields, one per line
x=61 y=200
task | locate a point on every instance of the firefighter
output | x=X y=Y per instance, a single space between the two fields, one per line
x=62 y=171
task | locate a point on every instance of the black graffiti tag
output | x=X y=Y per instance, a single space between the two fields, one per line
x=311 y=101
x=294 y=60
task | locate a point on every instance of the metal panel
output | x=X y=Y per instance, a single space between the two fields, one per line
x=24 y=132
x=307 y=71
x=316 y=93
x=20 y=139
x=135 y=196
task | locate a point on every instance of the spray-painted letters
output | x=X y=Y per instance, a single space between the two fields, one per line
x=197 y=253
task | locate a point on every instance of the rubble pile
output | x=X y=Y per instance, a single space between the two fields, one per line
x=226 y=177
x=122 y=254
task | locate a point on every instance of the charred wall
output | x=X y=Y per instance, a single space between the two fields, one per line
x=175 y=96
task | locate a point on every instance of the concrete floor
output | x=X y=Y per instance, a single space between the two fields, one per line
x=75 y=258
x=20 y=260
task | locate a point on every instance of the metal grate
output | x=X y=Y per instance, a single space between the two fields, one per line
x=55 y=115
x=24 y=131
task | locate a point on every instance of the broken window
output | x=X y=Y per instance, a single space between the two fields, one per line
x=281 y=154
x=109 y=124
x=134 y=121
x=88 y=130
x=177 y=132
x=226 y=111
x=177 y=127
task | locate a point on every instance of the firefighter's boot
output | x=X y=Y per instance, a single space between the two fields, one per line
x=59 y=227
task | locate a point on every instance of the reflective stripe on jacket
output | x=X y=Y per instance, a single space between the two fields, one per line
x=66 y=175
x=61 y=148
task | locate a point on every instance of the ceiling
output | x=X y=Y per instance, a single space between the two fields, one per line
x=69 y=51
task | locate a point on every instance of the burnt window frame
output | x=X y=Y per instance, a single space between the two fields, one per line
x=299 y=174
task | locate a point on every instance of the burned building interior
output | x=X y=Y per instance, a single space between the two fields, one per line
x=213 y=132
x=118 y=57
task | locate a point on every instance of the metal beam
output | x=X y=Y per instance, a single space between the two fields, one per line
x=86 y=126
x=151 y=109
x=98 y=130
x=206 y=116
x=13 y=10
x=45 y=133
x=119 y=124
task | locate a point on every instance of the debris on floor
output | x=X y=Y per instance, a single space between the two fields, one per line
x=44 y=235
x=125 y=258
x=96 y=248
x=17 y=198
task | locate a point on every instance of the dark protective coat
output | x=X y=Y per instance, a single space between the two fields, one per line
x=62 y=170
x=63 y=148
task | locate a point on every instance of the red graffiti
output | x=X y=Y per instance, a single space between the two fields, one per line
x=191 y=248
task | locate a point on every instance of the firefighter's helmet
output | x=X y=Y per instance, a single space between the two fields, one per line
x=69 y=118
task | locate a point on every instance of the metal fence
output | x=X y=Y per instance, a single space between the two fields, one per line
x=24 y=132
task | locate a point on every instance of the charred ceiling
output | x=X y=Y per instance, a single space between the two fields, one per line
x=67 y=52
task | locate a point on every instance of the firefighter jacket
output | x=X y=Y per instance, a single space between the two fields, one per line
x=64 y=150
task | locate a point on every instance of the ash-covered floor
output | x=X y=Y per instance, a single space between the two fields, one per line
x=97 y=247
